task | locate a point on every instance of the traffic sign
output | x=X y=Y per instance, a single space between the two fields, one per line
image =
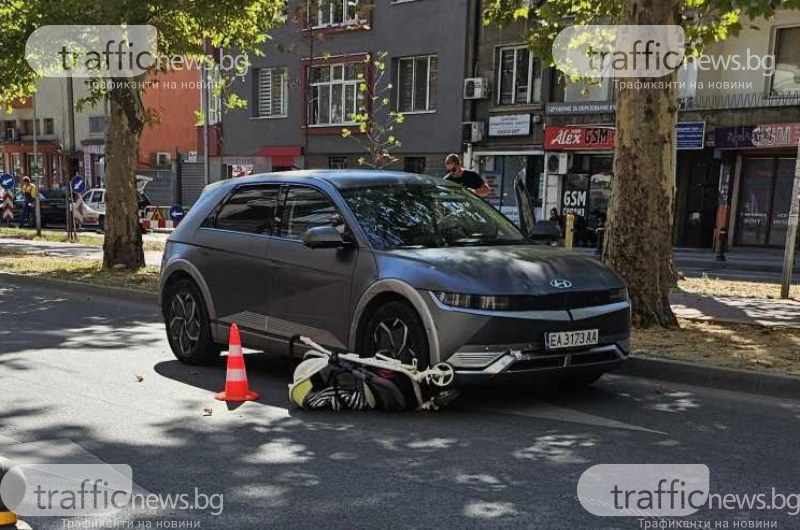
x=7 y=181
x=77 y=184
x=176 y=212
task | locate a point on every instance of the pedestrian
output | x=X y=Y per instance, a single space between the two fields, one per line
x=29 y=193
x=468 y=179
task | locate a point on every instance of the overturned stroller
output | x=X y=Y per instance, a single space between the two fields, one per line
x=345 y=381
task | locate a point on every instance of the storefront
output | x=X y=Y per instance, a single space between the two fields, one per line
x=765 y=166
x=510 y=155
x=579 y=165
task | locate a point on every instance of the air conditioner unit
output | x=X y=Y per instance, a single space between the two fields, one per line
x=558 y=163
x=472 y=132
x=163 y=158
x=476 y=88
x=12 y=133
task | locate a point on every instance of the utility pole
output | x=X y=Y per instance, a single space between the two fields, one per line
x=791 y=230
x=206 y=107
x=36 y=173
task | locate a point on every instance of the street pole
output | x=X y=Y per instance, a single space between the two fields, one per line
x=36 y=173
x=791 y=230
x=206 y=107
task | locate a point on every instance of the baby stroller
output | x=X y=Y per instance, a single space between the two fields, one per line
x=346 y=381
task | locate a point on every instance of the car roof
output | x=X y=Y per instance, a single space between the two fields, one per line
x=341 y=178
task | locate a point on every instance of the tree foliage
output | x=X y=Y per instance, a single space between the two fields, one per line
x=375 y=122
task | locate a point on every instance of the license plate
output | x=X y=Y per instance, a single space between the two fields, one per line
x=570 y=339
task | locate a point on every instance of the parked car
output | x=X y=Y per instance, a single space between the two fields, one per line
x=52 y=207
x=408 y=266
x=94 y=212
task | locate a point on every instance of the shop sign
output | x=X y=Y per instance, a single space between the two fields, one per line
x=764 y=136
x=582 y=107
x=560 y=138
x=690 y=135
x=510 y=125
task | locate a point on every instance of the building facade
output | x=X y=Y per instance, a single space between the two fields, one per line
x=303 y=92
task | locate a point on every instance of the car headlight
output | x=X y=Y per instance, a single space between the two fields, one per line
x=474 y=301
x=618 y=295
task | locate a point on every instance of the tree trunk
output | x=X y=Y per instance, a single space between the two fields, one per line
x=122 y=247
x=638 y=241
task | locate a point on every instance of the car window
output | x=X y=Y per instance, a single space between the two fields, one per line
x=101 y=196
x=250 y=210
x=307 y=208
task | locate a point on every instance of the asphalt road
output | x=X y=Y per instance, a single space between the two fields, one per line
x=94 y=378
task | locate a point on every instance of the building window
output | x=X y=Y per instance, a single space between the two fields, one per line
x=16 y=163
x=48 y=126
x=786 y=77
x=163 y=158
x=271 y=92
x=519 y=77
x=416 y=83
x=35 y=165
x=414 y=164
x=335 y=95
x=26 y=127
x=333 y=12
x=97 y=124
x=337 y=162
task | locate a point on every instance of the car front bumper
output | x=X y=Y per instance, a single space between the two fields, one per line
x=495 y=345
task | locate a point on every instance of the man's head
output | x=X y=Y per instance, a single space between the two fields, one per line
x=452 y=162
x=26 y=180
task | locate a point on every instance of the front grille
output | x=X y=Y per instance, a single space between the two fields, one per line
x=560 y=360
x=562 y=301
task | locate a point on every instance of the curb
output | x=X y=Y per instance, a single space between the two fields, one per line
x=721 y=378
x=80 y=288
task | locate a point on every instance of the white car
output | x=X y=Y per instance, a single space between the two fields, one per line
x=94 y=210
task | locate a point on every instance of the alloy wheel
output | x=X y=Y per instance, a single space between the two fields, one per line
x=184 y=324
x=392 y=338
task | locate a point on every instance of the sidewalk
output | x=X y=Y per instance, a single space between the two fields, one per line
x=69 y=250
x=784 y=313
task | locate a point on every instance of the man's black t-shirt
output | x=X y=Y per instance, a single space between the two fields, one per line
x=468 y=179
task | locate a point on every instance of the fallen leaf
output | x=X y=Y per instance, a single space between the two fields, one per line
x=139 y=378
x=207 y=411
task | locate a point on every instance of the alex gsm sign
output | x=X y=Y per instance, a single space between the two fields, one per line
x=560 y=138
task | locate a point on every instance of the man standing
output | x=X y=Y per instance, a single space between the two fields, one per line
x=29 y=193
x=468 y=179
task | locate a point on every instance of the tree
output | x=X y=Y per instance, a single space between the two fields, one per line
x=376 y=119
x=638 y=242
x=184 y=30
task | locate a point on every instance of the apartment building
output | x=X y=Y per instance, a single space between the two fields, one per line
x=303 y=92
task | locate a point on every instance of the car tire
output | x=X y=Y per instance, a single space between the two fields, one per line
x=396 y=330
x=101 y=223
x=188 y=325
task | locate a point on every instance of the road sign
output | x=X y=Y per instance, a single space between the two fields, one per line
x=77 y=184
x=8 y=207
x=7 y=181
x=176 y=212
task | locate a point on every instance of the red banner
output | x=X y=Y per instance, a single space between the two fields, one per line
x=579 y=137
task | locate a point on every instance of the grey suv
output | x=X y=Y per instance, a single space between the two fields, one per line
x=405 y=265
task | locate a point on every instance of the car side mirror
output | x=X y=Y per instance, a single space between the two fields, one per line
x=323 y=237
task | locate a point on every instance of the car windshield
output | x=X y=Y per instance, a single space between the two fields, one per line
x=429 y=215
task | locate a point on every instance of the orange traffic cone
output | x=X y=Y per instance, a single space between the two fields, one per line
x=236 y=388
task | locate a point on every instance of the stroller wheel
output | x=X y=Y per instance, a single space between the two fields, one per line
x=442 y=375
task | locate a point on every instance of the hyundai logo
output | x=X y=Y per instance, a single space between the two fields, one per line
x=560 y=284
